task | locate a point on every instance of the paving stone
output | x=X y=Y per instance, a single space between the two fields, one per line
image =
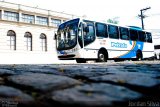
x=43 y=82
x=45 y=70
x=92 y=71
x=21 y=69
x=1 y=81
x=150 y=69
x=74 y=72
x=13 y=97
x=95 y=94
x=6 y=72
x=131 y=78
x=36 y=69
x=88 y=70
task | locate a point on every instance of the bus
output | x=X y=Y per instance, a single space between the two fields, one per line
x=84 y=40
x=157 y=51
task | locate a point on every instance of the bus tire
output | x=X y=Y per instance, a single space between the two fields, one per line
x=157 y=56
x=139 y=55
x=102 y=56
x=80 y=60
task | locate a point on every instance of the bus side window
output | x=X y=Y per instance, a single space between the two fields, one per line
x=133 y=35
x=124 y=33
x=148 y=37
x=141 y=36
x=80 y=35
x=89 y=34
x=113 y=32
x=101 y=30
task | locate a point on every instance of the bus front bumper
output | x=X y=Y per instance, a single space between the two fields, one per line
x=69 y=56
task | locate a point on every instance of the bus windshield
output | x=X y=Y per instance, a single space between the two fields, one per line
x=67 y=35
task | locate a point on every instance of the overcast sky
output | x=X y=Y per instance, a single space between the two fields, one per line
x=126 y=10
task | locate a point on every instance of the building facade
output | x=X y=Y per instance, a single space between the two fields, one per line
x=27 y=34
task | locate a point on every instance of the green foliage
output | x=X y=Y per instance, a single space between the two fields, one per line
x=114 y=20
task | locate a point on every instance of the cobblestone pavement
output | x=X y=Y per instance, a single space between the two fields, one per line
x=81 y=85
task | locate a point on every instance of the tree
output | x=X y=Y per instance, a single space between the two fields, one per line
x=114 y=20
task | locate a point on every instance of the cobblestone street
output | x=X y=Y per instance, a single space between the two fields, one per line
x=81 y=85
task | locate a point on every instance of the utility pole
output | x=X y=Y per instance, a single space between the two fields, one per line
x=142 y=16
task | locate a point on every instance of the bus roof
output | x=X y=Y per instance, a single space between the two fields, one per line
x=130 y=27
x=135 y=28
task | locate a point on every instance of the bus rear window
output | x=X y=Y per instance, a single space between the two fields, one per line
x=148 y=37
x=133 y=35
x=141 y=36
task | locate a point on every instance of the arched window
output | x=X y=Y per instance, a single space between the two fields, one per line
x=11 y=39
x=43 y=41
x=28 y=41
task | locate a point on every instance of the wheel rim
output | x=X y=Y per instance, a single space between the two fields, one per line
x=139 y=56
x=101 y=57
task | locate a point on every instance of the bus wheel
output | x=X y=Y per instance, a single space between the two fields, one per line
x=80 y=60
x=102 y=57
x=139 y=56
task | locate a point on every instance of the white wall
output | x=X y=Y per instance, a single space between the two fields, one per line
x=21 y=55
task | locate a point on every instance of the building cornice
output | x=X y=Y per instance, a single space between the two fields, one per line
x=28 y=24
x=34 y=10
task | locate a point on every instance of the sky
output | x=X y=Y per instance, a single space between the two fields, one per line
x=126 y=11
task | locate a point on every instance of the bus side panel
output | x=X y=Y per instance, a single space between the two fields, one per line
x=122 y=48
x=128 y=49
x=117 y=48
x=91 y=51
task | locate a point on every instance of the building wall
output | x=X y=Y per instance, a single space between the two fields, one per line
x=21 y=55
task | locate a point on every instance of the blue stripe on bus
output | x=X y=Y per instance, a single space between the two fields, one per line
x=130 y=54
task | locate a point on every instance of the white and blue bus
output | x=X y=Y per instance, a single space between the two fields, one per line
x=85 y=40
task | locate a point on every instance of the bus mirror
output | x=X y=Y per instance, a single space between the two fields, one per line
x=55 y=36
x=86 y=29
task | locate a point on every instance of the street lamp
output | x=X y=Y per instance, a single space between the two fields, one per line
x=143 y=16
